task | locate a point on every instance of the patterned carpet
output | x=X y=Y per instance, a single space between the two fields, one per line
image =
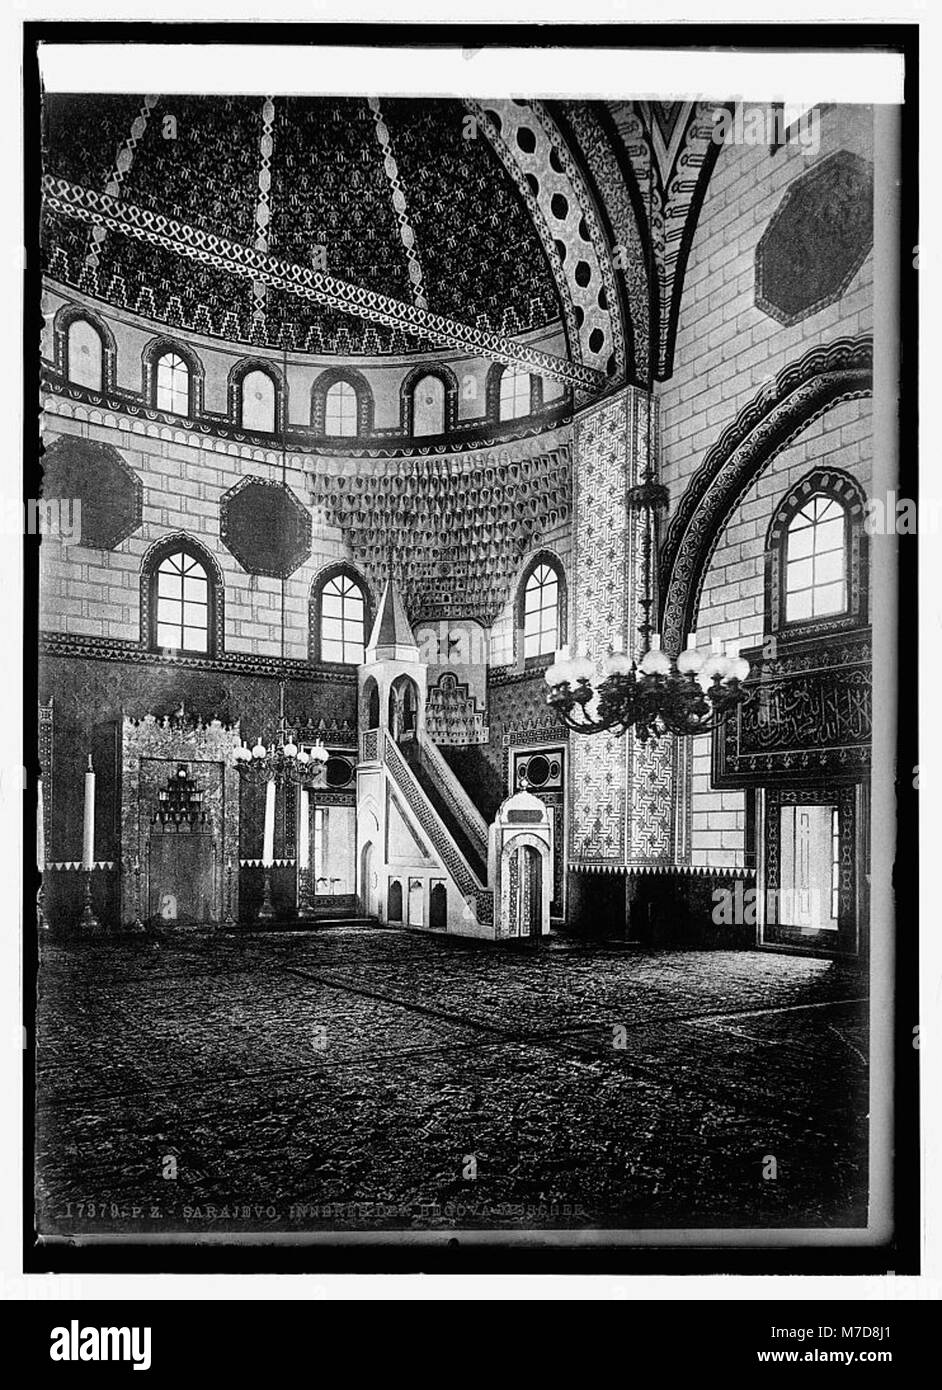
x=357 y=1079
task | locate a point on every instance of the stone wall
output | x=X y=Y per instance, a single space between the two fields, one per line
x=728 y=349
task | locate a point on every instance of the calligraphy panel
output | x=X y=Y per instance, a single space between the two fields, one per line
x=808 y=715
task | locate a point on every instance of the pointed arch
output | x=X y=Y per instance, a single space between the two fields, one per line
x=369 y=704
x=394 y=901
x=816 y=503
x=403 y=714
x=777 y=415
x=495 y=393
x=540 y=609
x=350 y=605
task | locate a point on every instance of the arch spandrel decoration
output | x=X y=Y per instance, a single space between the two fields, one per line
x=668 y=153
x=530 y=146
x=613 y=184
x=824 y=377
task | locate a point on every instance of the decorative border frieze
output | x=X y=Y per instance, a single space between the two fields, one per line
x=579 y=866
x=117 y=649
x=317 y=286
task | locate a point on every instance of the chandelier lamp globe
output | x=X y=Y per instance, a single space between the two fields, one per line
x=654 y=696
x=283 y=760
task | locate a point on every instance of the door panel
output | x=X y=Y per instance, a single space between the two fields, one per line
x=811 y=866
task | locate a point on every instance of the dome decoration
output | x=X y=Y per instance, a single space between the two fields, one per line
x=389 y=196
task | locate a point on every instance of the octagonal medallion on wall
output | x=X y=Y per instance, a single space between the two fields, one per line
x=265 y=527
x=95 y=475
x=818 y=238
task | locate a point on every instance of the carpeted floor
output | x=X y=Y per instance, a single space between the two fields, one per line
x=353 y=1079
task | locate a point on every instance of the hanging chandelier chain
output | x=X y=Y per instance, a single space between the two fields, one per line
x=659 y=694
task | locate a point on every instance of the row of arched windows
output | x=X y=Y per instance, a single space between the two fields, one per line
x=815 y=560
x=810 y=554
x=341 y=399
x=184 y=592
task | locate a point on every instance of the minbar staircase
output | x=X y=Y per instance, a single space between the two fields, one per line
x=454 y=826
x=460 y=816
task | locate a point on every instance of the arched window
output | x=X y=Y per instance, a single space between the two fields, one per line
x=340 y=410
x=340 y=618
x=428 y=406
x=428 y=400
x=514 y=393
x=85 y=364
x=258 y=401
x=341 y=404
x=182 y=616
x=816 y=557
x=541 y=609
x=815 y=560
x=173 y=384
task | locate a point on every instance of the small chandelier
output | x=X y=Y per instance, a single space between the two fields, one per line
x=282 y=760
x=656 y=695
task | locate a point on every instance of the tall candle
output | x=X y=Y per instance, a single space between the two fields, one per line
x=88 y=824
x=40 y=829
x=304 y=830
x=268 y=846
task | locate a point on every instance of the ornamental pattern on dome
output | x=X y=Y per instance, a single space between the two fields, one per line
x=334 y=195
x=458 y=528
